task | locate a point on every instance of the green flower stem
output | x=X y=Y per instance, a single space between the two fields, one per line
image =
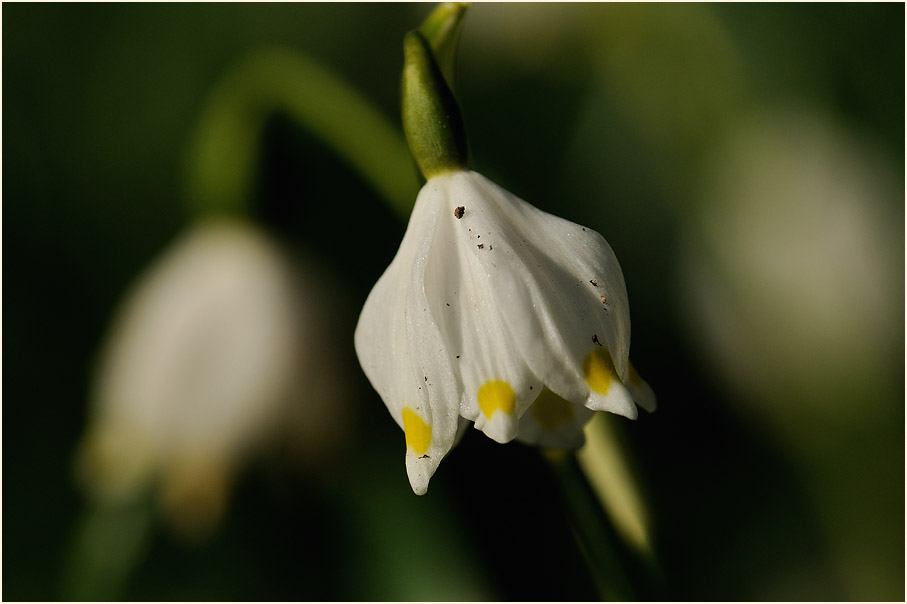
x=224 y=151
x=442 y=30
x=108 y=542
x=604 y=461
x=609 y=513
x=596 y=537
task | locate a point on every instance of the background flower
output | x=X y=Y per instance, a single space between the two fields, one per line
x=217 y=354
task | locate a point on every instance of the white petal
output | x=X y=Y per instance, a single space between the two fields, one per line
x=488 y=302
x=496 y=384
x=203 y=351
x=402 y=353
x=640 y=390
x=554 y=423
x=556 y=285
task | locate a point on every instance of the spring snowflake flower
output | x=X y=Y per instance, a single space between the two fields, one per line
x=205 y=365
x=499 y=313
x=492 y=311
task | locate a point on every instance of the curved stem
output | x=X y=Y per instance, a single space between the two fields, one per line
x=223 y=155
x=605 y=464
x=608 y=513
x=108 y=542
x=442 y=29
x=593 y=533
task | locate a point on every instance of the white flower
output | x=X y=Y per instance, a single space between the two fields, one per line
x=203 y=366
x=499 y=313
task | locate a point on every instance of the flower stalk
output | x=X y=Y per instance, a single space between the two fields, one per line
x=442 y=30
x=108 y=542
x=593 y=533
x=222 y=162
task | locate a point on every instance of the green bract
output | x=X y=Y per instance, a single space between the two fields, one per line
x=431 y=117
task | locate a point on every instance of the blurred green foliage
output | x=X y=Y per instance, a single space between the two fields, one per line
x=608 y=115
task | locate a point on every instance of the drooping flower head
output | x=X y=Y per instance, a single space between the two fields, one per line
x=207 y=363
x=492 y=311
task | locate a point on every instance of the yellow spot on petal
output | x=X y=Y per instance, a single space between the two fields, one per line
x=496 y=396
x=598 y=368
x=634 y=377
x=416 y=431
x=550 y=410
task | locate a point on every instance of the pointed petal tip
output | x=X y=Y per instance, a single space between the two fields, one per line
x=640 y=390
x=649 y=405
x=418 y=481
x=617 y=400
x=419 y=470
x=632 y=413
x=501 y=428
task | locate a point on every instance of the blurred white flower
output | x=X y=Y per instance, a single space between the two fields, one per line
x=204 y=365
x=499 y=313
x=792 y=282
x=791 y=268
